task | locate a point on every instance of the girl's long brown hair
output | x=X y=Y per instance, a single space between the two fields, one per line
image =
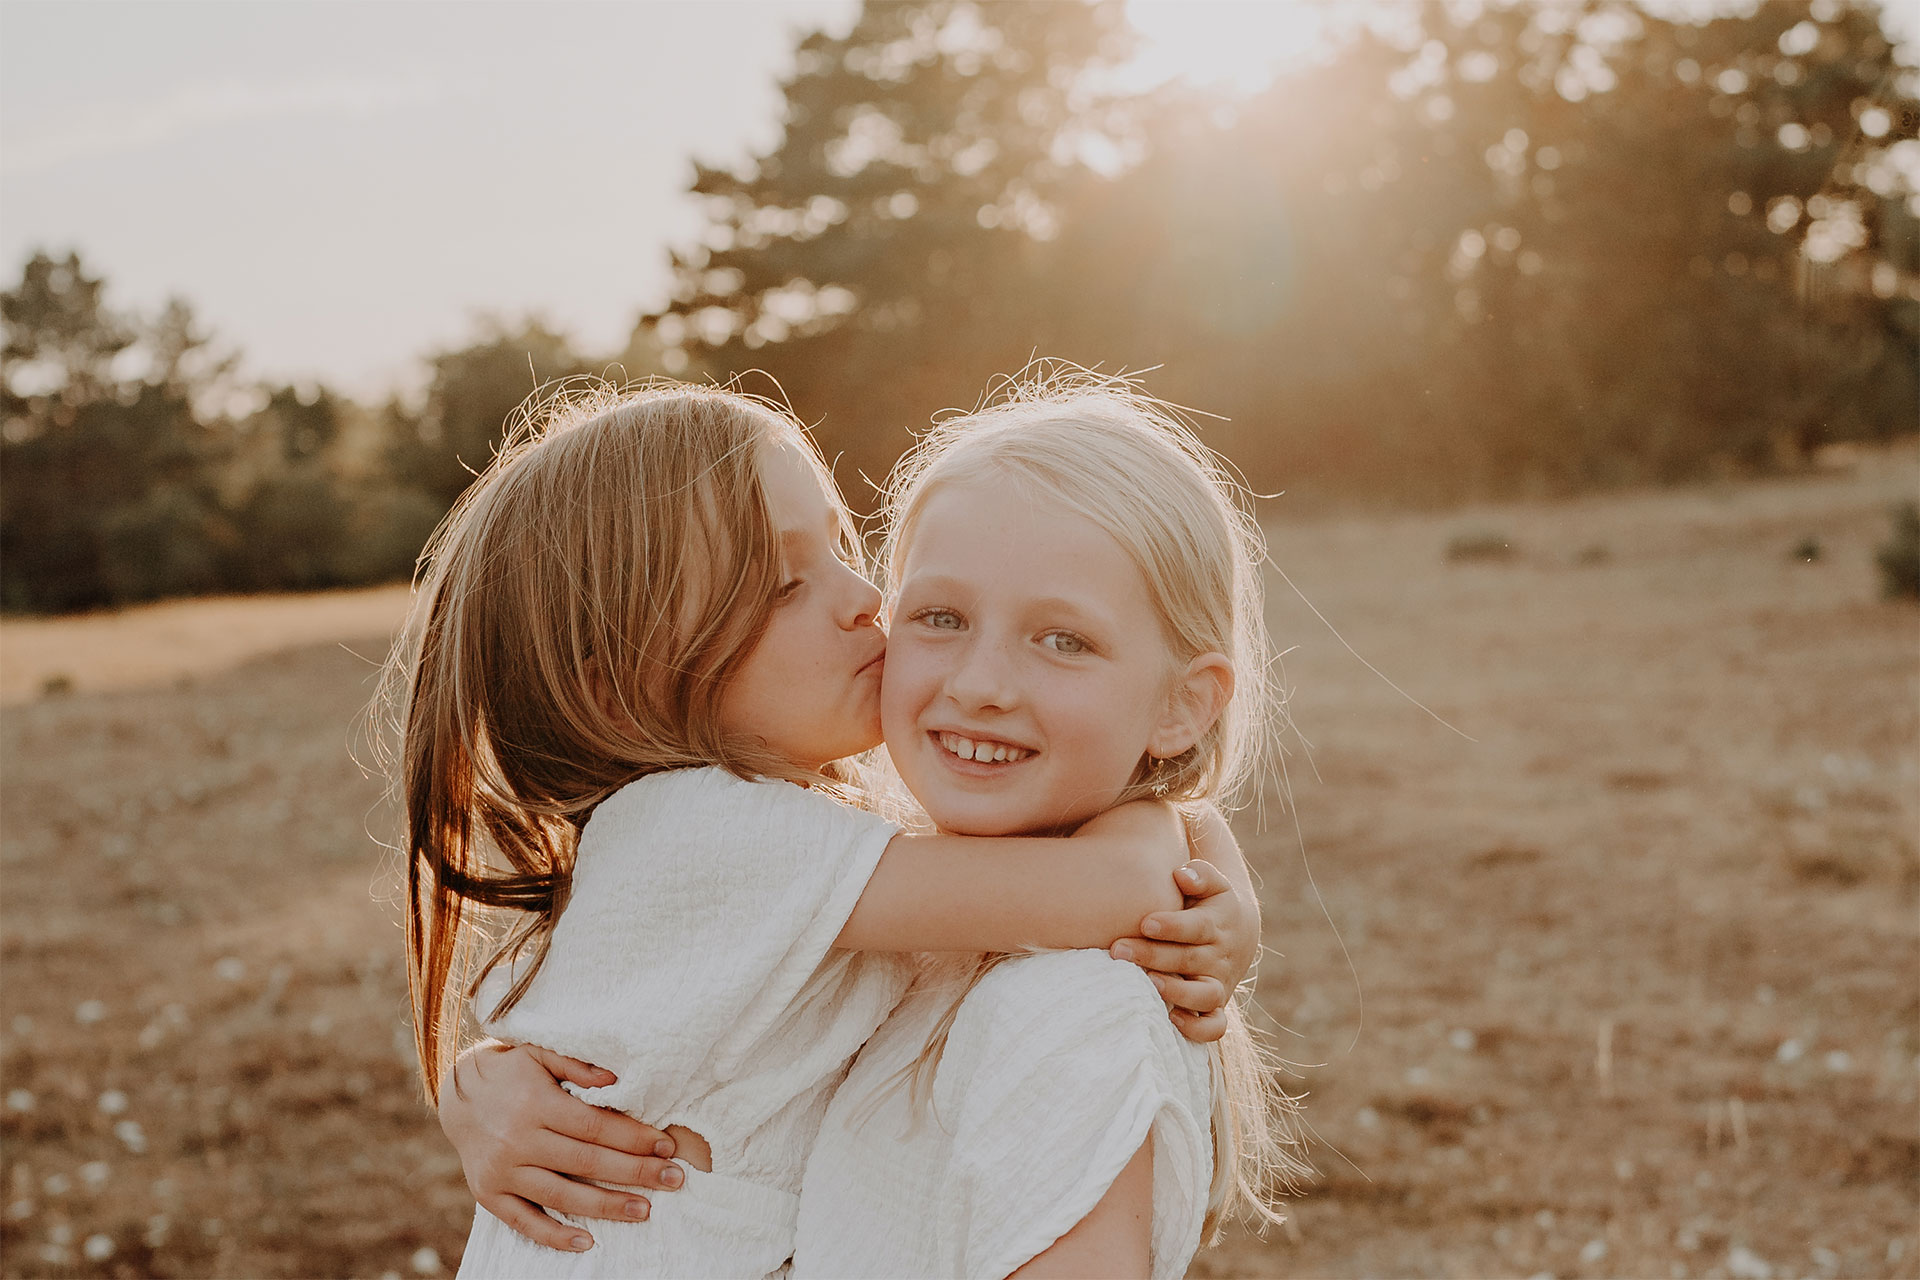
x=576 y=618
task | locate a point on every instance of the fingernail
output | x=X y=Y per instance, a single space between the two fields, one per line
x=1152 y=928
x=672 y=1176
x=1190 y=875
x=664 y=1148
x=580 y=1244
x=1121 y=951
x=636 y=1209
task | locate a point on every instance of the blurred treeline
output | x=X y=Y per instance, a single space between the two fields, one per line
x=1481 y=251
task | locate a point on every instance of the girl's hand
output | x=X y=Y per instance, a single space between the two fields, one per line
x=524 y=1141
x=1198 y=956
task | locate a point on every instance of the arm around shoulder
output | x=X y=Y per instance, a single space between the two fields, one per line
x=994 y=893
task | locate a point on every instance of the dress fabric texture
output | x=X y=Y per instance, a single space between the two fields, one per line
x=1056 y=1069
x=694 y=960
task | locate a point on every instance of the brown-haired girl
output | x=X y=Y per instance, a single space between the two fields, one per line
x=642 y=653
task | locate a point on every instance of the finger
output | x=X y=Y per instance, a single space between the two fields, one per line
x=1201 y=879
x=561 y=1067
x=562 y=1155
x=1200 y=1028
x=1167 y=957
x=555 y=1194
x=1194 y=926
x=1199 y=995
x=526 y=1219
x=604 y=1127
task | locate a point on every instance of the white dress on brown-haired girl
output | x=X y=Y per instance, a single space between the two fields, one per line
x=728 y=1012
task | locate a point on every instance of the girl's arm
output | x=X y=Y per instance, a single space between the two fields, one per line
x=980 y=893
x=1199 y=956
x=1116 y=1236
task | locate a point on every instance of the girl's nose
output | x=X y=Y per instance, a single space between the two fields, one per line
x=862 y=607
x=981 y=679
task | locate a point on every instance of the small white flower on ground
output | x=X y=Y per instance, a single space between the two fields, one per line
x=20 y=1210
x=1368 y=1118
x=212 y=1227
x=56 y=1255
x=1462 y=1039
x=1839 y=1062
x=1623 y=1170
x=131 y=1136
x=425 y=1261
x=1593 y=1251
x=1418 y=1075
x=230 y=969
x=19 y=1100
x=1824 y=1258
x=113 y=1102
x=94 y=1173
x=60 y=1233
x=157 y=1227
x=90 y=1011
x=1744 y=1264
x=1544 y=1219
x=1789 y=1051
x=55 y=1184
x=98 y=1248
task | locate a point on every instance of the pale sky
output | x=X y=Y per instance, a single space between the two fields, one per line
x=338 y=188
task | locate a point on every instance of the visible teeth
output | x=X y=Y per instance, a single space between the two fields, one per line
x=985 y=752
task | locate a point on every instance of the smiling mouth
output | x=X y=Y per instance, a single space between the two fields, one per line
x=980 y=750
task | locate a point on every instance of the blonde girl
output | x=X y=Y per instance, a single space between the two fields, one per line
x=1060 y=565
x=1055 y=562
x=641 y=654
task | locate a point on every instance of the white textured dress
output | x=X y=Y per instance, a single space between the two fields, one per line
x=1056 y=1069
x=694 y=960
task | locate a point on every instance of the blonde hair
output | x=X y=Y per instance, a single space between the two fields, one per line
x=576 y=618
x=1097 y=447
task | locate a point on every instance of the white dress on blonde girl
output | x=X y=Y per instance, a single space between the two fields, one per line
x=1056 y=1069
x=694 y=960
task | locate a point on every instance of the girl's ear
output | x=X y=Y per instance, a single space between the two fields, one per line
x=1198 y=696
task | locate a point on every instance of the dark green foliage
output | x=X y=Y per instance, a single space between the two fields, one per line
x=106 y=480
x=1899 y=555
x=118 y=482
x=474 y=392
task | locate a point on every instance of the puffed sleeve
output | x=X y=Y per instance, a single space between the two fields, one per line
x=702 y=909
x=1057 y=1068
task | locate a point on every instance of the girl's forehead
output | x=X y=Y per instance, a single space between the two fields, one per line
x=1009 y=537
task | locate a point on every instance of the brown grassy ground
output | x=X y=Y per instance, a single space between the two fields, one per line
x=1640 y=965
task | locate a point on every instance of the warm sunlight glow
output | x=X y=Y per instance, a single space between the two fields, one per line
x=1238 y=45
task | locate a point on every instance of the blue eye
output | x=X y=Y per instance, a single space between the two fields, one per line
x=939 y=619
x=1064 y=642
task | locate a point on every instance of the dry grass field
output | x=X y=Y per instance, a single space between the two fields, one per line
x=1635 y=966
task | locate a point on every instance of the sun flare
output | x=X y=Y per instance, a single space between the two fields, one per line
x=1239 y=45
